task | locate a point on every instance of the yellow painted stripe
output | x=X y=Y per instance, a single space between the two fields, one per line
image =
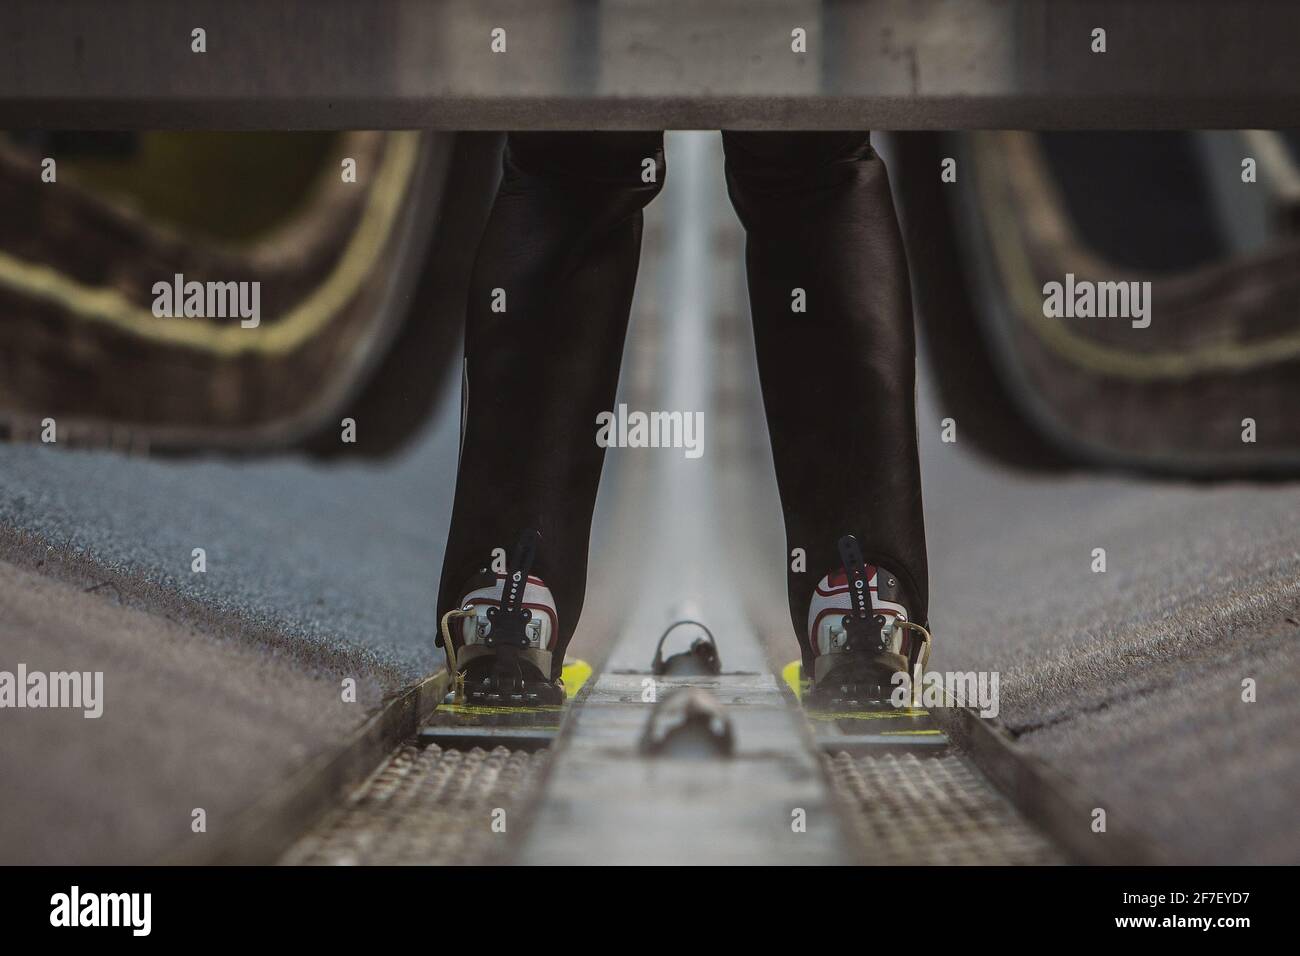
x=485 y=710
x=297 y=326
x=906 y=713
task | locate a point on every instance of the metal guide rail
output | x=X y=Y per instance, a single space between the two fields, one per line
x=933 y=808
x=910 y=796
x=687 y=769
x=456 y=792
x=427 y=806
x=732 y=775
x=692 y=769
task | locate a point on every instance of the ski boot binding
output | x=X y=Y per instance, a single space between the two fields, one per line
x=507 y=631
x=861 y=636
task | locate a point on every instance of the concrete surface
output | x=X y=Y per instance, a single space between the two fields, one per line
x=188 y=721
x=1130 y=680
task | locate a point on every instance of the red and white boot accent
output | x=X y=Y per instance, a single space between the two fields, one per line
x=541 y=630
x=831 y=601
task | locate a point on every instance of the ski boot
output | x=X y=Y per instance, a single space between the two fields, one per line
x=861 y=636
x=507 y=631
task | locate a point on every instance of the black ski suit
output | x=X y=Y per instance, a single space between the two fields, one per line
x=838 y=380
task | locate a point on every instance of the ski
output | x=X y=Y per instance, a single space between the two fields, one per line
x=464 y=726
x=858 y=726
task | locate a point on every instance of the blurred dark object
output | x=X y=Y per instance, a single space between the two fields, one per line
x=401 y=394
x=342 y=266
x=1221 y=356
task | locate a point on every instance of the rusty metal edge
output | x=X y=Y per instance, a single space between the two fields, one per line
x=1053 y=802
x=264 y=830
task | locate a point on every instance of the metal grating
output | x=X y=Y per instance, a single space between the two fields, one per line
x=909 y=809
x=427 y=806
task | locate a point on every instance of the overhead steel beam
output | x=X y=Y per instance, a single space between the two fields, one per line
x=896 y=64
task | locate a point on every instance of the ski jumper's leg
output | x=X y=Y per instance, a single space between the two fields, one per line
x=549 y=301
x=832 y=314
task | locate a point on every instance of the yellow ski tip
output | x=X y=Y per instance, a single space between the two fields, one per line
x=575 y=674
x=792 y=674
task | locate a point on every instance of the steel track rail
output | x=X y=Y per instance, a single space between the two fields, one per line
x=263 y=831
x=1051 y=801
